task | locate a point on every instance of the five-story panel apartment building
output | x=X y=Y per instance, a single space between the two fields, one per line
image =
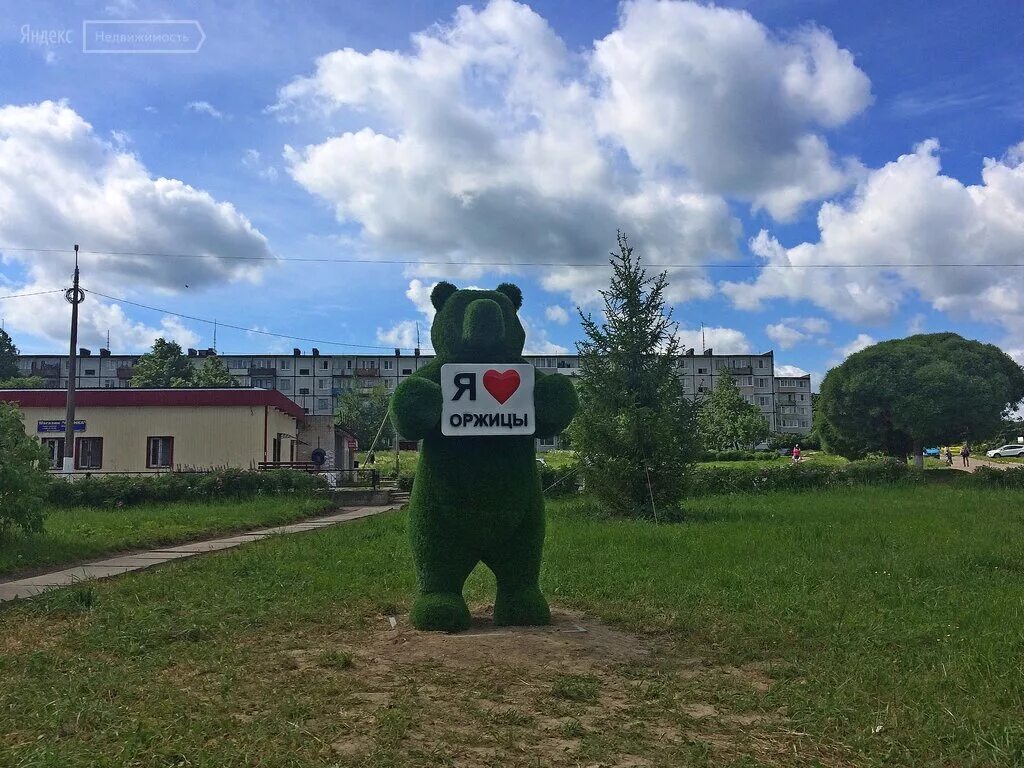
x=314 y=380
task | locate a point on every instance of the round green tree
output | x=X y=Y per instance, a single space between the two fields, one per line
x=897 y=396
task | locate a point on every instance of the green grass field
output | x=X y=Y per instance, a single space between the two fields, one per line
x=72 y=535
x=876 y=626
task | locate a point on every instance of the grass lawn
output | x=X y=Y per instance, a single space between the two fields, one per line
x=873 y=626
x=385 y=461
x=81 y=534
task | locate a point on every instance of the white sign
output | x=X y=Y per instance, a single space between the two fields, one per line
x=486 y=399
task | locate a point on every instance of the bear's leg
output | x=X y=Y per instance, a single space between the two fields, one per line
x=442 y=567
x=516 y=565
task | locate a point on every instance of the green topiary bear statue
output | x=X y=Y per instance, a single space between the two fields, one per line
x=477 y=498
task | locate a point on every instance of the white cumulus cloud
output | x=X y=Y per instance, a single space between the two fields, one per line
x=862 y=341
x=909 y=214
x=557 y=314
x=60 y=183
x=491 y=139
x=723 y=341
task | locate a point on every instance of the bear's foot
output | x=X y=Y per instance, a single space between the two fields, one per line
x=521 y=607
x=440 y=611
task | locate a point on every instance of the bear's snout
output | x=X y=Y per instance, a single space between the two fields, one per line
x=483 y=325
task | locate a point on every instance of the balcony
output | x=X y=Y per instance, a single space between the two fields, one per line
x=368 y=372
x=262 y=371
x=46 y=370
x=745 y=370
x=124 y=372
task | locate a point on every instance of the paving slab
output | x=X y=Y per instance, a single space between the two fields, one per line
x=115 y=566
x=197 y=547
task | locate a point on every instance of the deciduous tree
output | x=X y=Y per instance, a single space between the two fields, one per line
x=899 y=395
x=213 y=373
x=8 y=356
x=725 y=420
x=22 y=474
x=163 y=366
x=362 y=413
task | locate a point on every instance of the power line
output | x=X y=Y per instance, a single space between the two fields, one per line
x=34 y=293
x=221 y=324
x=547 y=264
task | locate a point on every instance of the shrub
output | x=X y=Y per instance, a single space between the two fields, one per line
x=559 y=481
x=132 y=490
x=798 y=477
x=738 y=456
x=22 y=474
x=998 y=478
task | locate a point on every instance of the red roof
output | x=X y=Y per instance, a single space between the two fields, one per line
x=128 y=398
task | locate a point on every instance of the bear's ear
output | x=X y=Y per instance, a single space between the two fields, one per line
x=441 y=293
x=514 y=294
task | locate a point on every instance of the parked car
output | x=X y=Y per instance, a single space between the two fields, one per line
x=932 y=451
x=1006 y=450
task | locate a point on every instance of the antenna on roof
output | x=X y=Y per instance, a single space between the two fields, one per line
x=108 y=338
x=417 y=334
x=703 y=347
x=214 y=334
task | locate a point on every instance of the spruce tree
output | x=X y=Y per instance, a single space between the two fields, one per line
x=634 y=431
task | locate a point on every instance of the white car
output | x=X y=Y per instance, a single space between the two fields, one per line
x=1006 y=450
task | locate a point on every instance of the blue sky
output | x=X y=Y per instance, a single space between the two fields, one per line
x=771 y=134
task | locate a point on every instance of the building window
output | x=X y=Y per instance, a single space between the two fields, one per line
x=323 y=403
x=348 y=365
x=762 y=401
x=55 y=445
x=286 y=365
x=303 y=390
x=159 y=452
x=275 y=454
x=702 y=370
x=321 y=383
x=389 y=364
x=89 y=453
x=546 y=442
x=407 y=371
x=325 y=364
x=760 y=362
x=89 y=372
x=286 y=385
x=749 y=381
x=303 y=371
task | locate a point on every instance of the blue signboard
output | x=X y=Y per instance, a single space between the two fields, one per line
x=57 y=425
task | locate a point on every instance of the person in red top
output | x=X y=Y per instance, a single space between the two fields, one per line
x=796 y=452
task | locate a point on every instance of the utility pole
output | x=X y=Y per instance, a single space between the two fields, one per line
x=74 y=296
x=398 y=352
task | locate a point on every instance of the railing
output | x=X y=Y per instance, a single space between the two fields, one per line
x=261 y=371
x=370 y=372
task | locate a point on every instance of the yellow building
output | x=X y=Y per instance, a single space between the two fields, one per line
x=160 y=430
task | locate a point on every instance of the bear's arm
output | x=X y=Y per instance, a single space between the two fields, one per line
x=555 y=403
x=416 y=407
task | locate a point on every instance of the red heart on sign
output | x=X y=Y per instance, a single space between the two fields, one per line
x=501 y=385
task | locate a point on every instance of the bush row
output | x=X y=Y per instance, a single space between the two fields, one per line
x=556 y=481
x=738 y=456
x=796 y=477
x=131 y=490
x=998 y=478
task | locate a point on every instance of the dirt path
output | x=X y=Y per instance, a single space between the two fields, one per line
x=975 y=463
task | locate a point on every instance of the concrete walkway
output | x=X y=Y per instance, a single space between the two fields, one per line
x=136 y=561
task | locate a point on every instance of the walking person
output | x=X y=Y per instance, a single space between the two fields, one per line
x=965 y=455
x=949 y=456
x=796 y=452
